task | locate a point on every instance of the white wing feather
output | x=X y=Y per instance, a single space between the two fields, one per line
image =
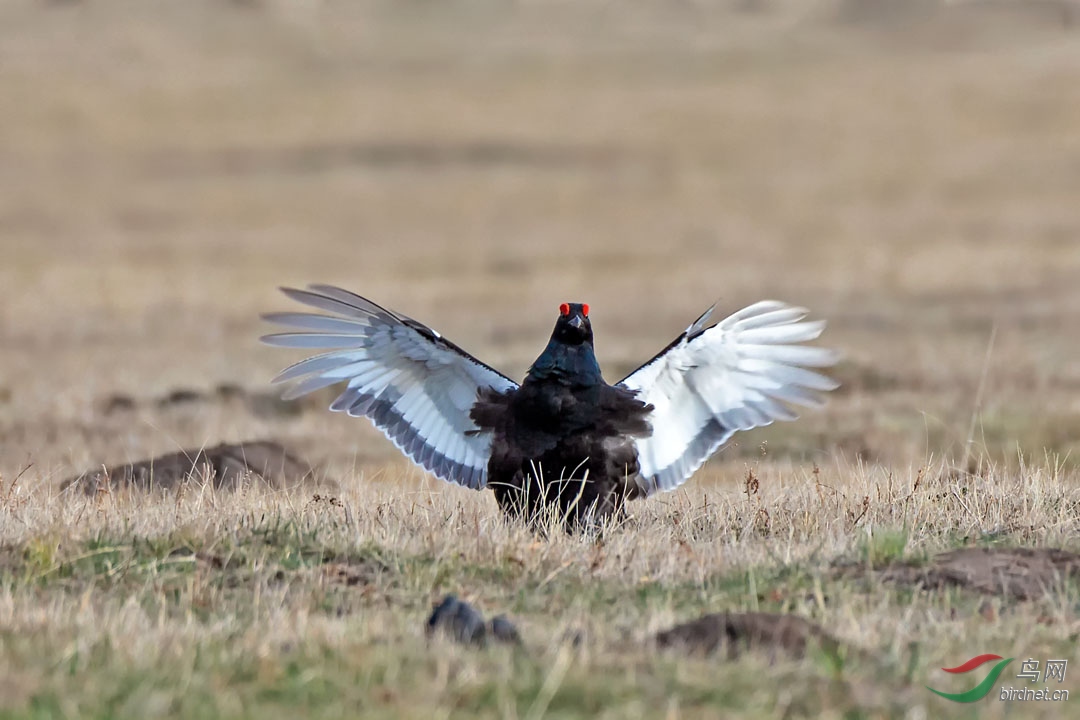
x=741 y=373
x=413 y=384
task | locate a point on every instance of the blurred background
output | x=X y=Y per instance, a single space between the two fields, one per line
x=908 y=169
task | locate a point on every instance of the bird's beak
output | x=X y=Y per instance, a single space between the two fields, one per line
x=577 y=322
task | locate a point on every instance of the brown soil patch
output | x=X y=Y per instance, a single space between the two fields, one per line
x=260 y=403
x=1018 y=573
x=736 y=633
x=226 y=466
x=352 y=574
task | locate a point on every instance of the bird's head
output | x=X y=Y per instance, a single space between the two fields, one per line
x=573 y=326
x=569 y=356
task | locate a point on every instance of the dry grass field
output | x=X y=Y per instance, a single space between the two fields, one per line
x=910 y=171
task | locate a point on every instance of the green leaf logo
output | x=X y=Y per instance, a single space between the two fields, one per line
x=982 y=689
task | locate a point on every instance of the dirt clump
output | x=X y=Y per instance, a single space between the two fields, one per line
x=259 y=403
x=226 y=466
x=352 y=574
x=734 y=634
x=1016 y=573
x=462 y=623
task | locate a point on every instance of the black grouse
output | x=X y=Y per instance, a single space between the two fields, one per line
x=564 y=440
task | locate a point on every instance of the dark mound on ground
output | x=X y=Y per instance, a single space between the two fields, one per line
x=225 y=466
x=1017 y=573
x=736 y=633
x=266 y=404
x=730 y=634
x=464 y=624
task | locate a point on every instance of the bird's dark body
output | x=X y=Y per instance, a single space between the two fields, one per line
x=561 y=447
x=564 y=440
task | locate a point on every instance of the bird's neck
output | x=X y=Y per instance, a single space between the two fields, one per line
x=567 y=364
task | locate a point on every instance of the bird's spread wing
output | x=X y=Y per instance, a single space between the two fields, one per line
x=741 y=373
x=416 y=386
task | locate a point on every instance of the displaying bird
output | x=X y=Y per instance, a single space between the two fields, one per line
x=564 y=444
